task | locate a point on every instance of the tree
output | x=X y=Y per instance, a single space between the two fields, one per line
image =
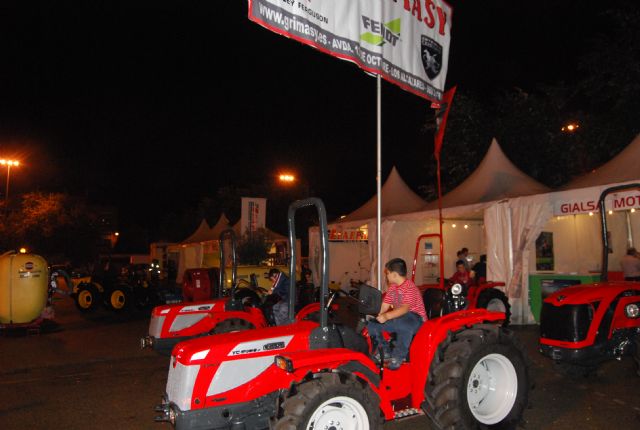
x=54 y=225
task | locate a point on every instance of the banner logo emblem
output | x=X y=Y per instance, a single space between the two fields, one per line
x=379 y=33
x=431 y=54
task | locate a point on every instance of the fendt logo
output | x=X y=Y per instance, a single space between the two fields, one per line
x=380 y=33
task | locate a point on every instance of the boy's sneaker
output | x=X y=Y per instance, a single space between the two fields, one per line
x=394 y=363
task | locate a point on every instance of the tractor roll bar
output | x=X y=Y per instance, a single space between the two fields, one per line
x=604 y=276
x=324 y=241
x=222 y=276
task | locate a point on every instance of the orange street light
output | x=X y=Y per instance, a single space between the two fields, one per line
x=9 y=164
x=571 y=127
x=286 y=178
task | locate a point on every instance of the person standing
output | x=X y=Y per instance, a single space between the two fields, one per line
x=631 y=265
x=279 y=296
x=402 y=312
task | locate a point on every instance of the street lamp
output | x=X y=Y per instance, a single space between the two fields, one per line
x=9 y=164
x=571 y=127
x=286 y=178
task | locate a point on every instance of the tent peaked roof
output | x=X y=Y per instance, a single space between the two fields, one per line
x=495 y=178
x=276 y=237
x=201 y=234
x=621 y=168
x=397 y=198
x=221 y=225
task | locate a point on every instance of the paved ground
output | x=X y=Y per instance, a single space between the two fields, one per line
x=90 y=374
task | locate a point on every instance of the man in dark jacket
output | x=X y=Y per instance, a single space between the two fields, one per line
x=279 y=296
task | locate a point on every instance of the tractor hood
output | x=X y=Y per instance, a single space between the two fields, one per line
x=204 y=306
x=580 y=294
x=213 y=350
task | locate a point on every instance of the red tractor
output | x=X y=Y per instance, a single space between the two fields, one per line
x=241 y=310
x=464 y=371
x=440 y=299
x=584 y=325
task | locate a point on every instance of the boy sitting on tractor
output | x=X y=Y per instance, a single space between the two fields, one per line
x=402 y=312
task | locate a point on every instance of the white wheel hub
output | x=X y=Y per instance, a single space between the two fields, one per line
x=339 y=413
x=496 y=305
x=492 y=388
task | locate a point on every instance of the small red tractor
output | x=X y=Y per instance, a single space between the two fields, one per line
x=441 y=300
x=241 y=310
x=464 y=371
x=583 y=326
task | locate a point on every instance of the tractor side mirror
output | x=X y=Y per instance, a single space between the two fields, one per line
x=370 y=300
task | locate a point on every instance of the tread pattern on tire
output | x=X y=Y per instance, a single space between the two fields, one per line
x=444 y=403
x=492 y=293
x=308 y=395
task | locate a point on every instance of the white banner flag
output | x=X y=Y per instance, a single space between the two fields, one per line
x=254 y=211
x=404 y=41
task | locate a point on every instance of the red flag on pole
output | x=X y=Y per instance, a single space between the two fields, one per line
x=441 y=119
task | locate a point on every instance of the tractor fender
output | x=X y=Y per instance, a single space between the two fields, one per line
x=432 y=333
x=474 y=293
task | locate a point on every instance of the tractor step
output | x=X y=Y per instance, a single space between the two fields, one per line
x=405 y=413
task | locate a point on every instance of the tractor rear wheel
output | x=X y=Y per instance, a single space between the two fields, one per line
x=232 y=324
x=495 y=300
x=120 y=298
x=478 y=378
x=331 y=401
x=87 y=297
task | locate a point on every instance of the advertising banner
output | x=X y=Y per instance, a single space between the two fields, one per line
x=254 y=211
x=625 y=200
x=406 y=42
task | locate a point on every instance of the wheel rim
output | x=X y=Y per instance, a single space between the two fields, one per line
x=339 y=413
x=496 y=305
x=492 y=388
x=85 y=299
x=117 y=299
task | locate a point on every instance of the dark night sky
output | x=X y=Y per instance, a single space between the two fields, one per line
x=150 y=105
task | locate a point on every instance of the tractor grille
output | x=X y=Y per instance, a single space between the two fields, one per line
x=180 y=384
x=155 y=326
x=568 y=323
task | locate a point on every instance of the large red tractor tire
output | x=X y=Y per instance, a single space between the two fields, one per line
x=232 y=324
x=87 y=297
x=493 y=299
x=331 y=401
x=478 y=378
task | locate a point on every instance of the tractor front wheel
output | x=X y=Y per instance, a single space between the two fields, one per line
x=331 y=401
x=232 y=324
x=495 y=300
x=478 y=378
x=119 y=298
x=87 y=297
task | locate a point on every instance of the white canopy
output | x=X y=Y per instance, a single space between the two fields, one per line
x=621 y=168
x=397 y=198
x=495 y=178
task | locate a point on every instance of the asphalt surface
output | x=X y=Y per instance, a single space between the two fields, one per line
x=87 y=372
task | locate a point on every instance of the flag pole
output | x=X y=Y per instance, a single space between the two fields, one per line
x=379 y=179
x=440 y=222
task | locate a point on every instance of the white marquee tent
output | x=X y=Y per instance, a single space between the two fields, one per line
x=505 y=221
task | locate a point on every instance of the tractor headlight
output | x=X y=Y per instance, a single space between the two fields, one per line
x=456 y=289
x=632 y=310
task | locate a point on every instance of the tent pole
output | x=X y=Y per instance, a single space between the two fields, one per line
x=379 y=179
x=440 y=222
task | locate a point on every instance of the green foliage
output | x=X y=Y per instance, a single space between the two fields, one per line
x=54 y=225
x=253 y=248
